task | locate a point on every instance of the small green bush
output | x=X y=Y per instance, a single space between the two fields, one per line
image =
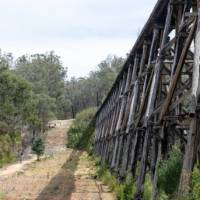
x=38 y=147
x=129 y=188
x=195 y=194
x=124 y=191
x=163 y=196
x=148 y=188
x=80 y=135
x=169 y=172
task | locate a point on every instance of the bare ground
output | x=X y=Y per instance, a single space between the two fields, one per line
x=63 y=174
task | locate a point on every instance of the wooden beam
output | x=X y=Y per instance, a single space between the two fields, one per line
x=189 y=157
x=177 y=72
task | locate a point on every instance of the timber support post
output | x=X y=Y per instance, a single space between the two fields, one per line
x=154 y=103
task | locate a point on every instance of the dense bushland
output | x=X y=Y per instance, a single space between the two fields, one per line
x=81 y=133
x=34 y=89
x=48 y=78
x=16 y=112
x=7 y=154
x=90 y=91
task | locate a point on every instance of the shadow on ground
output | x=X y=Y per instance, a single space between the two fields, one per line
x=62 y=185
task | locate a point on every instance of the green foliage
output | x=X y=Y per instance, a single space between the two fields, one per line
x=106 y=177
x=129 y=188
x=6 y=60
x=38 y=146
x=15 y=110
x=63 y=107
x=107 y=72
x=169 y=172
x=148 y=188
x=15 y=94
x=44 y=106
x=195 y=194
x=36 y=90
x=124 y=191
x=80 y=134
x=4 y=128
x=6 y=153
x=163 y=196
x=47 y=77
x=90 y=91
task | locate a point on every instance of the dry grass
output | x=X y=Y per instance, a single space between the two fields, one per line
x=64 y=175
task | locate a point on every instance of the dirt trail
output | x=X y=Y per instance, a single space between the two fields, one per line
x=64 y=174
x=11 y=169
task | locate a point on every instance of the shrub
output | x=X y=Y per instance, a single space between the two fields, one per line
x=129 y=188
x=148 y=187
x=124 y=191
x=163 y=196
x=3 y=128
x=8 y=154
x=195 y=184
x=80 y=134
x=38 y=147
x=169 y=172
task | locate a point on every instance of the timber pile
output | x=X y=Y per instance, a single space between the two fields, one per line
x=155 y=100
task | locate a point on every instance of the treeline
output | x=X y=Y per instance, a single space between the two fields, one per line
x=47 y=78
x=34 y=89
x=90 y=91
x=65 y=98
x=17 y=111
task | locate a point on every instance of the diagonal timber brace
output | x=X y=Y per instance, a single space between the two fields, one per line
x=155 y=100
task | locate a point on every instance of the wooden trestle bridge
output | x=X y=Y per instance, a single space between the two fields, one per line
x=154 y=102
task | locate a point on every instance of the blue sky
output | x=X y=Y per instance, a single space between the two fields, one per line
x=82 y=32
